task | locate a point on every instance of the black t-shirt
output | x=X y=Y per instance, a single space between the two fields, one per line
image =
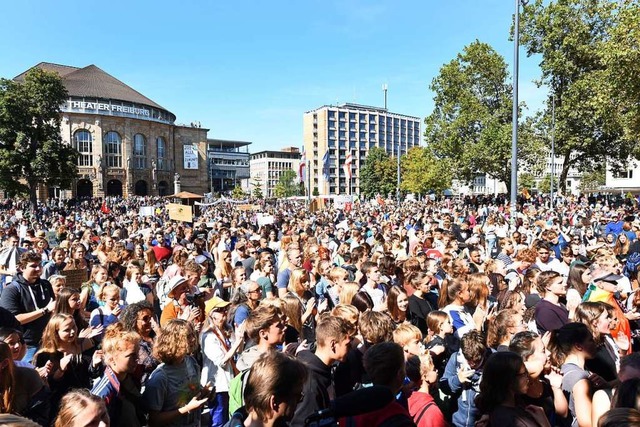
x=20 y=298
x=419 y=309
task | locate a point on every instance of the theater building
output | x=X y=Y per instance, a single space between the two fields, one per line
x=127 y=143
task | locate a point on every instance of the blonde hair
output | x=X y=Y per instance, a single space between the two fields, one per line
x=272 y=302
x=115 y=338
x=349 y=314
x=107 y=290
x=349 y=289
x=338 y=273
x=405 y=333
x=295 y=281
x=175 y=341
x=72 y=405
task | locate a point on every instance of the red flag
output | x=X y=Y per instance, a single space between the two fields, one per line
x=105 y=209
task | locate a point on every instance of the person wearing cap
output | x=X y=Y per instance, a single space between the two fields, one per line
x=178 y=306
x=603 y=288
x=219 y=348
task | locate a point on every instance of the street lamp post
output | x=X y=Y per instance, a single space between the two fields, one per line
x=514 y=119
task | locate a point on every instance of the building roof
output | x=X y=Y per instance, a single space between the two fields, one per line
x=226 y=143
x=366 y=108
x=277 y=154
x=93 y=82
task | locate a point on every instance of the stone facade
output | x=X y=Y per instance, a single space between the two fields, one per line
x=140 y=175
x=128 y=144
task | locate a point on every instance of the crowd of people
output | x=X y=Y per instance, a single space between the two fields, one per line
x=428 y=313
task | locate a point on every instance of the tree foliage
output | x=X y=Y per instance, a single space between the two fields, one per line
x=591 y=181
x=286 y=186
x=423 y=173
x=526 y=180
x=471 y=122
x=621 y=55
x=544 y=186
x=257 y=187
x=238 y=193
x=379 y=174
x=572 y=38
x=31 y=148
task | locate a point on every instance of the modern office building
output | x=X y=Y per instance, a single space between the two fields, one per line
x=228 y=164
x=128 y=144
x=340 y=130
x=624 y=181
x=268 y=166
x=548 y=165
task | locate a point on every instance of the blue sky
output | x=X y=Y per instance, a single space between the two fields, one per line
x=248 y=70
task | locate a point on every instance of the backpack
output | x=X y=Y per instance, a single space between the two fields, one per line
x=237 y=418
x=236 y=391
x=632 y=264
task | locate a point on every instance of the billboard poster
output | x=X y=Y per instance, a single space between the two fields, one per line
x=190 y=156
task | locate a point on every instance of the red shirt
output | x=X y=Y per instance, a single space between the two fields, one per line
x=432 y=417
x=161 y=252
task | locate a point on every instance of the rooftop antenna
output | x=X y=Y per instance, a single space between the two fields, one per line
x=384 y=89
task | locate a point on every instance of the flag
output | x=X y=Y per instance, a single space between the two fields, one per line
x=104 y=208
x=302 y=168
x=347 y=166
x=325 y=166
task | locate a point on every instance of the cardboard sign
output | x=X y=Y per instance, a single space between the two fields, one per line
x=180 y=212
x=75 y=278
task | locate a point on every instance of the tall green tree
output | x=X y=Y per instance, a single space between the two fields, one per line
x=31 y=148
x=571 y=38
x=471 y=121
x=379 y=174
x=286 y=186
x=621 y=55
x=423 y=173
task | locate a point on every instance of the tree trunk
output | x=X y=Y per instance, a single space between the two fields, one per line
x=33 y=195
x=562 y=185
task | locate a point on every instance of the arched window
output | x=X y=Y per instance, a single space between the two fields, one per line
x=162 y=152
x=139 y=151
x=113 y=150
x=82 y=141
